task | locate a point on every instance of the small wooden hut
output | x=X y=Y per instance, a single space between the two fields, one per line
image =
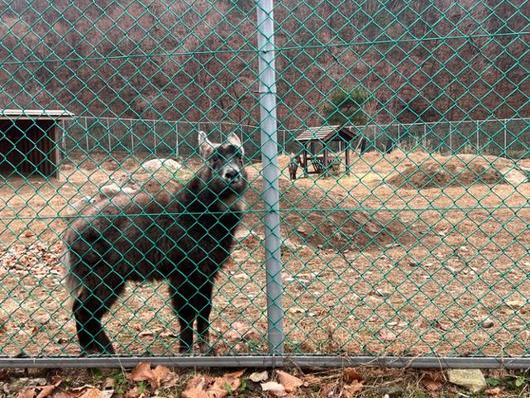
x=30 y=141
x=317 y=143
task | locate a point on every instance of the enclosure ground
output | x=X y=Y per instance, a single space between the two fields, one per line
x=330 y=383
x=370 y=268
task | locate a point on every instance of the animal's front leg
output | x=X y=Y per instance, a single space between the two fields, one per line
x=204 y=306
x=185 y=312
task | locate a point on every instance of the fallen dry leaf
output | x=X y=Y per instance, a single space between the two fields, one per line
x=274 y=388
x=142 y=372
x=134 y=393
x=167 y=334
x=225 y=385
x=26 y=393
x=96 y=393
x=232 y=379
x=196 y=388
x=290 y=382
x=515 y=303
x=350 y=375
x=258 y=377
x=218 y=389
x=166 y=377
x=387 y=335
x=109 y=384
x=493 y=391
x=48 y=390
x=310 y=379
x=82 y=388
x=349 y=390
x=157 y=377
x=431 y=383
x=160 y=373
x=65 y=394
x=146 y=333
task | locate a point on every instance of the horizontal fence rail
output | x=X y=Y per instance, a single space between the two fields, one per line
x=269 y=183
x=160 y=137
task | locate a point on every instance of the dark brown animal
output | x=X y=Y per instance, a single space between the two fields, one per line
x=183 y=237
x=294 y=161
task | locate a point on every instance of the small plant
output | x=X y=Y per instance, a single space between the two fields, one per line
x=142 y=388
x=120 y=382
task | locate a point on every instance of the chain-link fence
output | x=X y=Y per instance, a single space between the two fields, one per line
x=387 y=159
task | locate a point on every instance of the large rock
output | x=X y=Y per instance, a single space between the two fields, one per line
x=513 y=176
x=472 y=379
x=154 y=165
x=108 y=191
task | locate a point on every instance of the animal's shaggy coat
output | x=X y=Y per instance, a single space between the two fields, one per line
x=184 y=238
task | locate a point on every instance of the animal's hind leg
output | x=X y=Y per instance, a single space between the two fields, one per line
x=89 y=307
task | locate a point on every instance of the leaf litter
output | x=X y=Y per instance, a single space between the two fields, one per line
x=147 y=381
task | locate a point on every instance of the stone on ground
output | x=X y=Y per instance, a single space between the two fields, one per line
x=472 y=379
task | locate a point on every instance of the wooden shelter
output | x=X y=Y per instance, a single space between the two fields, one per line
x=30 y=141
x=321 y=138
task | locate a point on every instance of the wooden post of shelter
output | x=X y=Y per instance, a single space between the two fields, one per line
x=347 y=146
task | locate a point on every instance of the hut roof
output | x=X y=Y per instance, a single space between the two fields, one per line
x=34 y=114
x=326 y=133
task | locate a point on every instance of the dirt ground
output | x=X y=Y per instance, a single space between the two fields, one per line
x=369 y=268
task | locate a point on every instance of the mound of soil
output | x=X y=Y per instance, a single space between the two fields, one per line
x=454 y=171
x=317 y=218
x=345 y=230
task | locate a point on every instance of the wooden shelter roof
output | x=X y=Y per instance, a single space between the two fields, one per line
x=34 y=114
x=326 y=133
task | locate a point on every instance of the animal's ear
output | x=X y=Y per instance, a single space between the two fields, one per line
x=205 y=146
x=234 y=140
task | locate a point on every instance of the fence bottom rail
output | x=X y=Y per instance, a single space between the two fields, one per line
x=268 y=361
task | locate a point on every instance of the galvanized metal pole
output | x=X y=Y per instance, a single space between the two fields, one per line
x=505 y=138
x=177 y=139
x=131 y=134
x=271 y=174
x=107 y=123
x=450 y=138
x=478 y=139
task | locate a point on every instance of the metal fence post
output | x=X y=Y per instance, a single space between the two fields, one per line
x=87 y=135
x=450 y=138
x=131 y=134
x=271 y=173
x=177 y=139
x=478 y=138
x=504 y=153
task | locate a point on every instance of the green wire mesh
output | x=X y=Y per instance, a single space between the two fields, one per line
x=416 y=245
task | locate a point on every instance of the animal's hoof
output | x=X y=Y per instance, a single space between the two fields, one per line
x=206 y=349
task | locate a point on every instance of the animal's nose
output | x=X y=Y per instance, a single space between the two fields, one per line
x=231 y=174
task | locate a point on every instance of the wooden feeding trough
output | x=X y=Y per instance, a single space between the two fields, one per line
x=318 y=142
x=30 y=142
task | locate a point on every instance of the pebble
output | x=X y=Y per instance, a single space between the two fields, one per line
x=487 y=323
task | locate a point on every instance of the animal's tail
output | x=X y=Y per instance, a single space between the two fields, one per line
x=71 y=281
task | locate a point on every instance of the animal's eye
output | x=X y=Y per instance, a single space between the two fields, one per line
x=214 y=158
